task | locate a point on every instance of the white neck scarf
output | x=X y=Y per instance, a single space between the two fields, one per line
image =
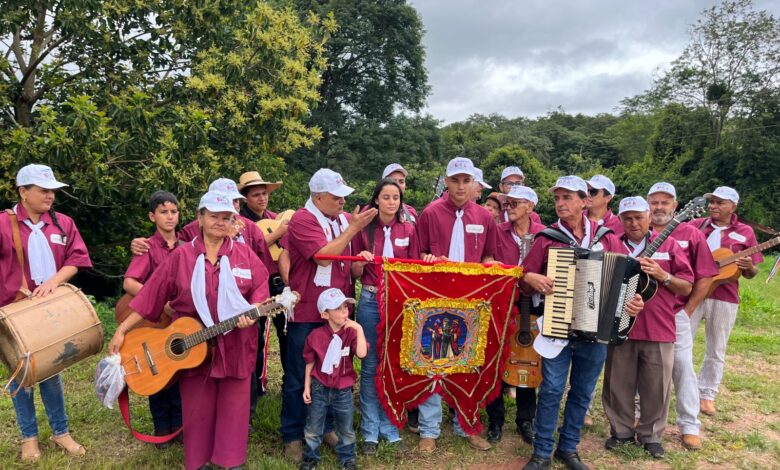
x=387 y=248
x=39 y=254
x=713 y=241
x=585 y=240
x=332 y=229
x=636 y=249
x=332 y=356
x=520 y=246
x=458 y=239
x=230 y=302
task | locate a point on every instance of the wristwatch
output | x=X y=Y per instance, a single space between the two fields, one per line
x=668 y=280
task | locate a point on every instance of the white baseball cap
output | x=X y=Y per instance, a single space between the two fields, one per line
x=633 y=203
x=479 y=177
x=570 y=183
x=39 y=175
x=461 y=166
x=332 y=298
x=328 y=181
x=215 y=201
x=602 y=182
x=663 y=187
x=724 y=192
x=226 y=186
x=392 y=168
x=523 y=192
x=511 y=170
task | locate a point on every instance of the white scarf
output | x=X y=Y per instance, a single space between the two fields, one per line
x=713 y=241
x=39 y=254
x=636 y=249
x=585 y=240
x=332 y=229
x=387 y=248
x=230 y=302
x=332 y=356
x=520 y=246
x=458 y=239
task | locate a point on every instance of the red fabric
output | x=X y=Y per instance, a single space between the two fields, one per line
x=400 y=391
x=124 y=408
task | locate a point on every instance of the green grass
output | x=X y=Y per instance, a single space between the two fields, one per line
x=745 y=433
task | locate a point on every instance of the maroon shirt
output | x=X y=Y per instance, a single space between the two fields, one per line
x=694 y=246
x=316 y=347
x=656 y=321
x=68 y=252
x=610 y=221
x=736 y=238
x=251 y=235
x=404 y=245
x=304 y=238
x=233 y=354
x=507 y=250
x=142 y=266
x=434 y=230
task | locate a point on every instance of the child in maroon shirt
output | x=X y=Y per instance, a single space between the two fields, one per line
x=329 y=378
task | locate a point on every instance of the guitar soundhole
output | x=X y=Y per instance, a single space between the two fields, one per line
x=524 y=338
x=177 y=346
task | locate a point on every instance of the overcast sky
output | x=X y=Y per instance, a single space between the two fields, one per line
x=528 y=57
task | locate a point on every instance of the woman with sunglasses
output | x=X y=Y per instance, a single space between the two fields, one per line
x=601 y=190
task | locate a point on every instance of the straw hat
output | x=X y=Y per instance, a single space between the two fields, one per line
x=253 y=178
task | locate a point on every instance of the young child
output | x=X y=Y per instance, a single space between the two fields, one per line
x=329 y=378
x=164 y=212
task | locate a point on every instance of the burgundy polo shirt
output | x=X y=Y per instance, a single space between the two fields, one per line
x=316 y=347
x=142 y=266
x=235 y=353
x=611 y=221
x=507 y=250
x=251 y=235
x=434 y=230
x=69 y=250
x=736 y=237
x=404 y=241
x=304 y=238
x=694 y=246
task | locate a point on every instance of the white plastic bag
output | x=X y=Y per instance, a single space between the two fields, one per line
x=109 y=380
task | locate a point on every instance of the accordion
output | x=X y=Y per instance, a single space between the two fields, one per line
x=590 y=293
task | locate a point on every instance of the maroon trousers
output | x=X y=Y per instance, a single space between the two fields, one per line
x=215 y=416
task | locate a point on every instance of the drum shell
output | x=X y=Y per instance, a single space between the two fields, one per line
x=57 y=331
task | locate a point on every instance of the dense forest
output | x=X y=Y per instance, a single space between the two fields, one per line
x=124 y=98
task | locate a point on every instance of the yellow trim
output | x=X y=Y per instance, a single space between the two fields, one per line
x=471 y=269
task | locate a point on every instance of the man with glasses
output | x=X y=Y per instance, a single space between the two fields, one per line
x=513 y=176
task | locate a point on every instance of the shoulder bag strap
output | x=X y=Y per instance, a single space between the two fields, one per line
x=17 y=244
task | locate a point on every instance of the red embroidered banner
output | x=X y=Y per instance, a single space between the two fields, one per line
x=444 y=328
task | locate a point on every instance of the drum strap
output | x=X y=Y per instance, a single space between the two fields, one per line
x=17 y=244
x=25 y=362
x=124 y=407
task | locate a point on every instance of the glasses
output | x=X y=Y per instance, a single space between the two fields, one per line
x=593 y=191
x=512 y=184
x=514 y=204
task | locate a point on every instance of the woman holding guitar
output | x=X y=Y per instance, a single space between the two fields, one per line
x=211 y=278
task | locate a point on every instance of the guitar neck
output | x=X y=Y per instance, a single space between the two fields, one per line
x=661 y=238
x=750 y=251
x=226 y=325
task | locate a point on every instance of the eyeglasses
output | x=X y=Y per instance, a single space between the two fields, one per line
x=512 y=184
x=513 y=204
x=593 y=191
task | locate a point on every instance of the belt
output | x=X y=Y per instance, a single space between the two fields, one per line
x=371 y=289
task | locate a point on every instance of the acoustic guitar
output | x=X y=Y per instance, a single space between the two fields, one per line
x=123 y=310
x=270 y=226
x=151 y=357
x=523 y=368
x=727 y=262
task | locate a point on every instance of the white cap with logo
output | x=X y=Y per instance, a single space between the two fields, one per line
x=392 y=168
x=633 y=203
x=461 y=166
x=663 y=187
x=523 y=192
x=602 y=182
x=215 y=201
x=328 y=181
x=570 y=183
x=511 y=170
x=479 y=177
x=724 y=192
x=39 y=175
x=332 y=298
x=227 y=187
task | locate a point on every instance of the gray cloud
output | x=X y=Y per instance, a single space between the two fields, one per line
x=526 y=58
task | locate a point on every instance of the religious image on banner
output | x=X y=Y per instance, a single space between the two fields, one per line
x=444 y=328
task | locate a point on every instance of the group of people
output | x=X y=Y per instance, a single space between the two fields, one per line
x=220 y=264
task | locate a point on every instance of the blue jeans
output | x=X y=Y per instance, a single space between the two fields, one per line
x=430 y=418
x=374 y=423
x=324 y=402
x=165 y=406
x=53 y=401
x=586 y=361
x=293 y=408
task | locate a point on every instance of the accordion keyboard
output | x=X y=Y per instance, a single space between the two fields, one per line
x=558 y=307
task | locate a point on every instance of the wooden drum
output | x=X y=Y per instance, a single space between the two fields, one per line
x=40 y=337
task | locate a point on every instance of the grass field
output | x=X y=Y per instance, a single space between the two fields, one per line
x=745 y=433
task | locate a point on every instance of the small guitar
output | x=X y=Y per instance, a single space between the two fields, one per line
x=523 y=367
x=123 y=310
x=270 y=226
x=727 y=262
x=151 y=357
x=647 y=285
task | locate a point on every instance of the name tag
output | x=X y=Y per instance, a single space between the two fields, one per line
x=683 y=243
x=401 y=241
x=242 y=273
x=597 y=247
x=661 y=256
x=737 y=237
x=345 y=352
x=474 y=228
x=57 y=239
